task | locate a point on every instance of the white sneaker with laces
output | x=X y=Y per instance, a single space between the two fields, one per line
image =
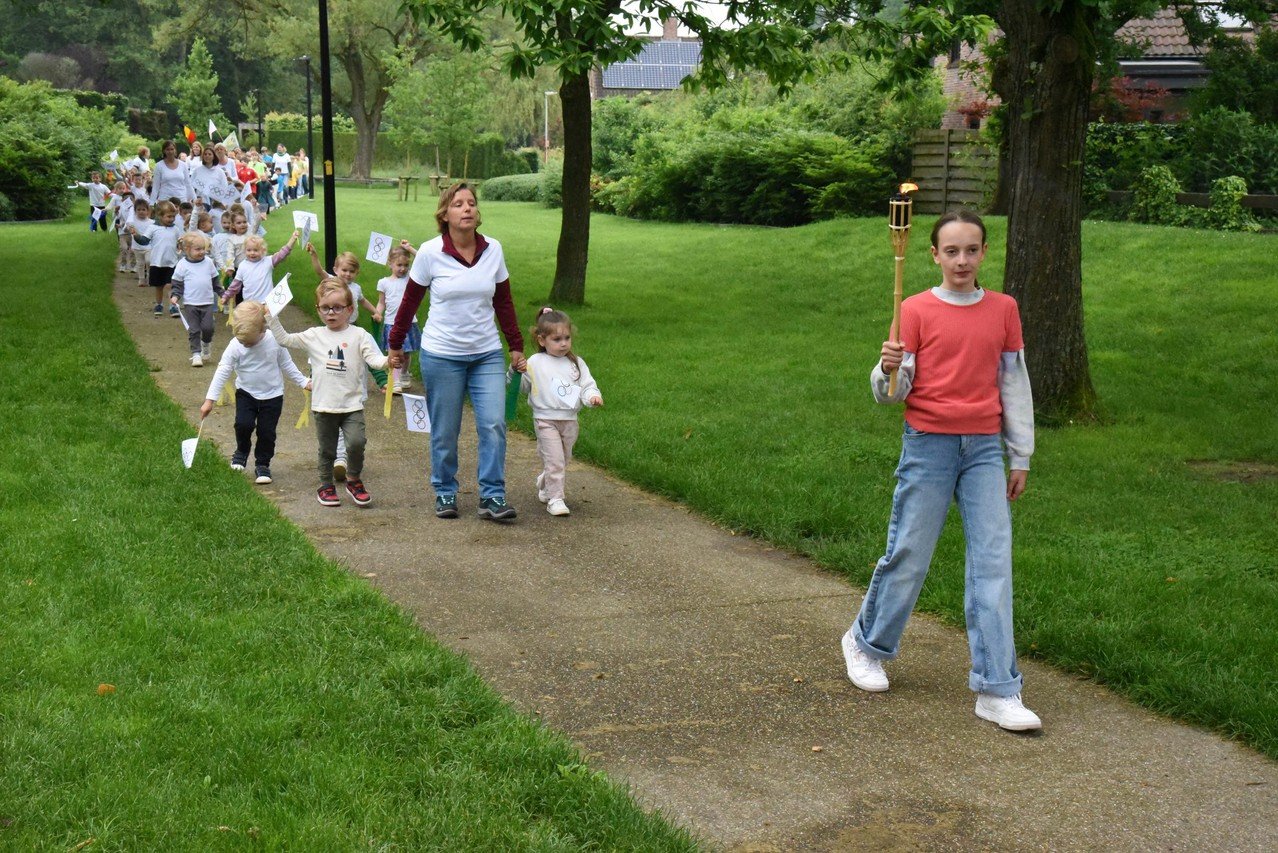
x=864 y=671
x=541 y=494
x=196 y=360
x=557 y=507
x=1008 y=712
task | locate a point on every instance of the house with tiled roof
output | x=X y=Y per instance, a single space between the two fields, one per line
x=1158 y=56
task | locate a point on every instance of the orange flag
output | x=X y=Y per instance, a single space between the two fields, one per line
x=188 y=133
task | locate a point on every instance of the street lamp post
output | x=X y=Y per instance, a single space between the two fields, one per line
x=310 y=135
x=326 y=110
x=545 y=115
x=257 y=96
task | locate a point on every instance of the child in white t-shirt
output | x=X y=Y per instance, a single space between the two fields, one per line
x=558 y=384
x=260 y=365
x=98 y=193
x=390 y=293
x=339 y=353
x=255 y=277
x=196 y=286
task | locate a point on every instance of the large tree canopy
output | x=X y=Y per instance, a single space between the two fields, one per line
x=1043 y=67
x=773 y=36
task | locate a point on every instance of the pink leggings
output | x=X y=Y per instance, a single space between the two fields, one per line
x=554 y=442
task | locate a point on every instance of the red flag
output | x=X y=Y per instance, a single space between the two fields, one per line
x=188 y=133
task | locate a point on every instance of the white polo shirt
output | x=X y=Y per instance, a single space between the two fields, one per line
x=461 y=319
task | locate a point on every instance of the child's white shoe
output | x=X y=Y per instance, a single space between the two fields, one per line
x=541 y=494
x=1008 y=712
x=339 y=469
x=196 y=360
x=557 y=507
x=206 y=349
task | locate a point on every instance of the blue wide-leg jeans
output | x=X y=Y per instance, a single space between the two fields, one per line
x=934 y=470
x=450 y=378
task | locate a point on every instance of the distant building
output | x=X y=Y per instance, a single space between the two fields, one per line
x=1163 y=58
x=661 y=66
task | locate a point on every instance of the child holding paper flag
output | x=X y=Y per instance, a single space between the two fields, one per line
x=254 y=280
x=390 y=292
x=196 y=286
x=339 y=353
x=260 y=365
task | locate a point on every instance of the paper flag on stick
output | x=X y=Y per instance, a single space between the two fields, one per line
x=231 y=142
x=302 y=217
x=98 y=213
x=279 y=296
x=416 y=414
x=390 y=392
x=182 y=317
x=306 y=234
x=188 y=446
x=212 y=128
x=188 y=133
x=114 y=155
x=246 y=192
x=379 y=246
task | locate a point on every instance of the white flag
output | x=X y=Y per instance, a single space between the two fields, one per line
x=301 y=217
x=231 y=142
x=379 y=246
x=306 y=234
x=114 y=155
x=415 y=412
x=182 y=317
x=279 y=296
x=188 y=451
x=212 y=128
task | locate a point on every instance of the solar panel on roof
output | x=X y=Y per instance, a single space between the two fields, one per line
x=660 y=65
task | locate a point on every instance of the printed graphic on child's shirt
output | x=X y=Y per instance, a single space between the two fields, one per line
x=336 y=362
x=567 y=392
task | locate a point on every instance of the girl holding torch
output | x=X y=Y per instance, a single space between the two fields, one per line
x=959 y=367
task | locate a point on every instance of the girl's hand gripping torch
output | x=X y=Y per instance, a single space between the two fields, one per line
x=899 y=210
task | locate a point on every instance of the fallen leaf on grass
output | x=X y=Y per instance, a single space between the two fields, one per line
x=818 y=749
x=83 y=844
x=105 y=689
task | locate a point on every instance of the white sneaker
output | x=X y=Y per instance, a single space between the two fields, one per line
x=1008 y=712
x=541 y=494
x=866 y=672
x=405 y=382
x=557 y=507
x=196 y=360
x=339 y=469
x=206 y=349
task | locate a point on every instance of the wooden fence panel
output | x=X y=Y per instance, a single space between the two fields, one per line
x=952 y=168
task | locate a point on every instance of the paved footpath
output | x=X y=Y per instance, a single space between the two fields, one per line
x=704 y=669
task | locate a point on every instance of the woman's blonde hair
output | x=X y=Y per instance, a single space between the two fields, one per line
x=248 y=320
x=446 y=200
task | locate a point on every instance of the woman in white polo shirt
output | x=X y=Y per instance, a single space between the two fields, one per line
x=461 y=355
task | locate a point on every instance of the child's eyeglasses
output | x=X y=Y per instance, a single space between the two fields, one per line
x=333 y=309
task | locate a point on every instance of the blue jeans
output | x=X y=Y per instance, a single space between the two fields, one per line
x=934 y=470
x=448 y=379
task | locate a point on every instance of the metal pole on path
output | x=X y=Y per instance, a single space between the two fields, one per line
x=326 y=109
x=310 y=134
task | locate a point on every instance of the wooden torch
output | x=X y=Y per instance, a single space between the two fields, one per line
x=899 y=210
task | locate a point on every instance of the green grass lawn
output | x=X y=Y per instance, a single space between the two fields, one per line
x=264 y=697
x=735 y=364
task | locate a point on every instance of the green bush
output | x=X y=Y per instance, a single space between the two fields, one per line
x=551 y=191
x=787 y=178
x=1226 y=212
x=1222 y=142
x=1154 y=197
x=47 y=141
x=1117 y=153
x=7 y=211
x=617 y=125
x=524 y=187
x=489 y=156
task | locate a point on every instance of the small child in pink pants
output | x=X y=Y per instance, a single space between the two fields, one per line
x=558 y=384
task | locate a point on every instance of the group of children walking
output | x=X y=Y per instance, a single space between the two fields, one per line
x=959 y=366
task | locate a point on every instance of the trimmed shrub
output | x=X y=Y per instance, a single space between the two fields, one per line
x=512 y=188
x=1154 y=197
x=1227 y=212
x=47 y=140
x=551 y=192
x=1222 y=142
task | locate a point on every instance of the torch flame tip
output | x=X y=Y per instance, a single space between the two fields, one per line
x=908 y=188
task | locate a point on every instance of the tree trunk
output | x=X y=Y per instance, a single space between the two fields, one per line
x=1045 y=80
x=367 y=116
x=574 y=231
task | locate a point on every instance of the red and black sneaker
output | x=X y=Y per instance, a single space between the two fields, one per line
x=359 y=494
x=327 y=495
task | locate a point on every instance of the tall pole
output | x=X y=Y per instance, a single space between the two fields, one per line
x=545 y=116
x=257 y=96
x=326 y=108
x=310 y=134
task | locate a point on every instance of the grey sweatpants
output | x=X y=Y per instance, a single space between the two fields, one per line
x=350 y=425
x=199 y=319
